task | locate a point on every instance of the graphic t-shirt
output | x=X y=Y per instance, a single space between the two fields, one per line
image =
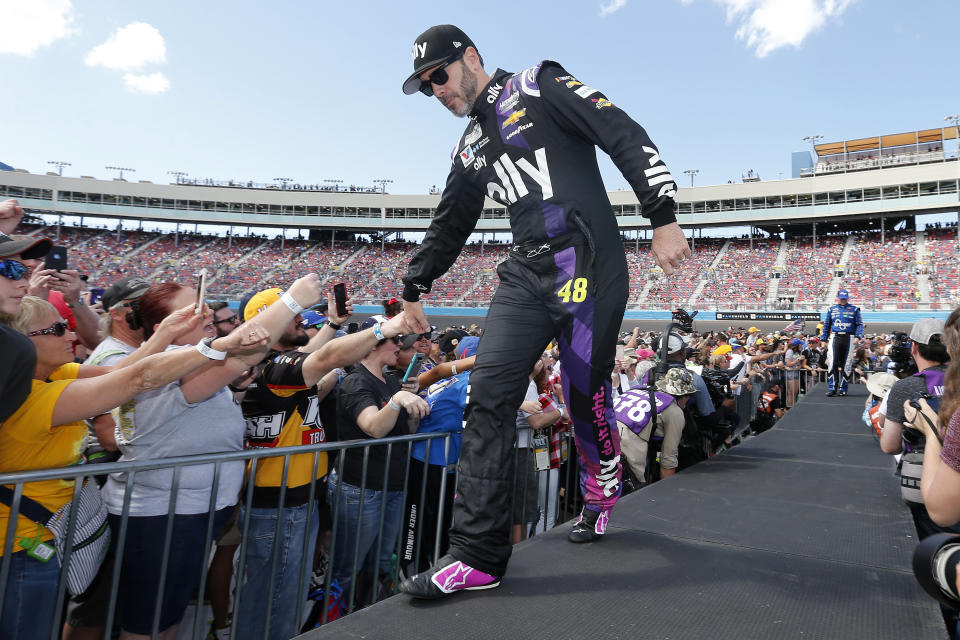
x=447 y=399
x=282 y=411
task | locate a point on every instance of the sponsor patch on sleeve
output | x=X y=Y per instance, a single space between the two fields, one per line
x=585 y=91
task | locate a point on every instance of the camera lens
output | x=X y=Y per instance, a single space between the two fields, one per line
x=935 y=567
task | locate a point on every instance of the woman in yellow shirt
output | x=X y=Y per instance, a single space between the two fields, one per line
x=46 y=432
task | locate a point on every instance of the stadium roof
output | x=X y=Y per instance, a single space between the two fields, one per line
x=5 y=167
x=892 y=140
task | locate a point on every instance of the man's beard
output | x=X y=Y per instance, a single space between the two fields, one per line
x=294 y=340
x=469 y=92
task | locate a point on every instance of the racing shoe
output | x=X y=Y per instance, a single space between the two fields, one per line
x=448 y=576
x=843 y=393
x=590 y=526
x=831 y=393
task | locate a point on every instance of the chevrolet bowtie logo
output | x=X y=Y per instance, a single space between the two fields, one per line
x=514 y=117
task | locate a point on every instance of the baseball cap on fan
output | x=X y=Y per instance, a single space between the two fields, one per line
x=674 y=344
x=25 y=247
x=122 y=290
x=925 y=328
x=435 y=46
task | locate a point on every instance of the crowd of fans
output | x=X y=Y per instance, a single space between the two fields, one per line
x=885 y=274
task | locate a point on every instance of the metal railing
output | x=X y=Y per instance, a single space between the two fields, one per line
x=557 y=498
x=128 y=471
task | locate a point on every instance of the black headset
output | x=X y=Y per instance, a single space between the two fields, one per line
x=134 y=321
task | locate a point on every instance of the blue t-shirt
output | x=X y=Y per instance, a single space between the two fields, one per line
x=447 y=399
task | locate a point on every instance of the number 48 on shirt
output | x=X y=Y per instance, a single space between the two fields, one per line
x=575 y=289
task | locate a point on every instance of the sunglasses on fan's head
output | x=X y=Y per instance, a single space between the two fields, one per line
x=12 y=269
x=439 y=76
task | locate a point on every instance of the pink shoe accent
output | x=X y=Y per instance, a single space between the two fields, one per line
x=601 y=527
x=459 y=577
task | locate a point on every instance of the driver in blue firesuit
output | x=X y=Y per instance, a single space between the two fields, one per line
x=842 y=321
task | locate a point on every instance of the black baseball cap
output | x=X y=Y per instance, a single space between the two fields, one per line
x=123 y=289
x=432 y=47
x=25 y=247
x=450 y=339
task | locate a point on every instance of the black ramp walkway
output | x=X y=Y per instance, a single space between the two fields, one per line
x=797 y=533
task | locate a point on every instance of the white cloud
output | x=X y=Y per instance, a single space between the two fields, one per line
x=129 y=48
x=610 y=7
x=146 y=83
x=29 y=25
x=768 y=25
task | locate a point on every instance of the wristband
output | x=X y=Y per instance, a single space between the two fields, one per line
x=291 y=303
x=453 y=368
x=393 y=405
x=563 y=414
x=204 y=347
x=334 y=325
x=377 y=332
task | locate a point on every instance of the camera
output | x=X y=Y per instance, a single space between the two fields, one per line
x=684 y=320
x=935 y=567
x=932 y=401
x=903 y=364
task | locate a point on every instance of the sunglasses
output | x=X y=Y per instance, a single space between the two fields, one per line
x=234 y=319
x=439 y=76
x=58 y=328
x=13 y=270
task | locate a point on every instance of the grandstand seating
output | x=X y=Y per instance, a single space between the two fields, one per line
x=807 y=273
x=165 y=252
x=258 y=264
x=487 y=280
x=104 y=254
x=943 y=265
x=675 y=291
x=882 y=271
x=471 y=266
x=742 y=275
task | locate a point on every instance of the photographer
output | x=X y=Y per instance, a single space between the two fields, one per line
x=940 y=483
x=633 y=415
x=930 y=355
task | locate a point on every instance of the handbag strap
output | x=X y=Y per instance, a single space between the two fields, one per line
x=28 y=506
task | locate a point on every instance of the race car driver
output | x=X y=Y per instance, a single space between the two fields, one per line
x=842 y=321
x=530 y=145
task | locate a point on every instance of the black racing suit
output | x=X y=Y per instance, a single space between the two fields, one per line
x=530 y=146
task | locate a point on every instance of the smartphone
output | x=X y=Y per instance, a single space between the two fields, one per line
x=413 y=370
x=56 y=259
x=619 y=352
x=340 y=295
x=96 y=294
x=201 y=291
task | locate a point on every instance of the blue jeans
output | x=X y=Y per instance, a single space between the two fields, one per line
x=296 y=543
x=356 y=517
x=30 y=600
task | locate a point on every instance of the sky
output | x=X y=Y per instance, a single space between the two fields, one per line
x=310 y=90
